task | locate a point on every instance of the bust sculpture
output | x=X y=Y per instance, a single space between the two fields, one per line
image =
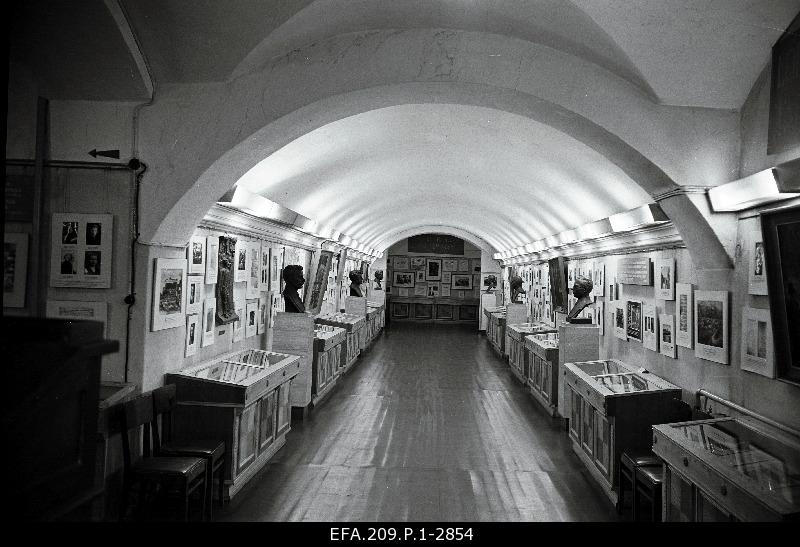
x=515 y=283
x=378 y=279
x=581 y=290
x=356 y=279
x=293 y=277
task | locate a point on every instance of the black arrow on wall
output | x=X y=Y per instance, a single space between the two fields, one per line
x=105 y=153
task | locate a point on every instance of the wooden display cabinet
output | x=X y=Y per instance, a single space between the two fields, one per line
x=241 y=398
x=353 y=325
x=518 y=357
x=495 y=328
x=542 y=372
x=328 y=342
x=612 y=407
x=725 y=469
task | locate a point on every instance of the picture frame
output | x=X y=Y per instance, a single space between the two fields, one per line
x=711 y=322
x=599 y=279
x=433 y=269
x=445 y=290
x=401 y=263
x=420 y=289
x=209 y=322
x=633 y=320
x=666 y=336
x=449 y=265
x=195 y=293
x=475 y=263
x=254 y=269
x=447 y=278
x=266 y=260
x=757 y=271
x=461 y=282
x=15 y=269
x=80 y=258
x=489 y=281
x=463 y=266
x=620 y=320
x=169 y=294
x=193 y=334
x=650 y=326
x=196 y=255
x=241 y=263
x=238 y=325
x=263 y=306
x=684 y=311
x=756 y=342
x=251 y=319
x=600 y=315
x=417 y=263
x=433 y=290
x=403 y=279
x=212 y=259
x=420 y=275
x=664 y=278
x=79 y=310
x=402 y=292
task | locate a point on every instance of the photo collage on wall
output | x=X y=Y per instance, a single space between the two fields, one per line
x=433 y=277
x=81 y=250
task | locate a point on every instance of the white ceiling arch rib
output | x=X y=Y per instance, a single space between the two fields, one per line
x=394 y=237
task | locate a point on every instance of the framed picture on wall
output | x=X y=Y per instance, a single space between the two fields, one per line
x=212 y=257
x=401 y=263
x=600 y=315
x=664 y=279
x=666 y=336
x=251 y=319
x=209 y=315
x=633 y=317
x=449 y=264
x=445 y=290
x=254 y=269
x=711 y=325
x=195 y=294
x=599 y=279
x=462 y=282
x=420 y=289
x=650 y=326
x=403 y=279
x=463 y=265
x=192 y=334
x=15 y=269
x=81 y=251
x=420 y=274
x=757 y=342
x=169 y=294
x=263 y=306
x=238 y=325
x=757 y=272
x=266 y=255
x=433 y=270
x=447 y=278
x=433 y=290
x=197 y=255
x=241 y=265
x=620 y=320
x=685 y=312
x=417 y=263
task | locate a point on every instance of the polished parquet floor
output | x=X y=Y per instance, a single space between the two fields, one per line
x=428 y=425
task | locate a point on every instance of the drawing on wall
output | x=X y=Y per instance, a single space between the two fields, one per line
x=15 y=269
x=433 y=290
x=665 y=279
x=254 y=269
x=417 y=263
x=434 y=269
x=620 y=324
x=757 y=349
x=403 y=279
x=666 y=338
x=196 y=294
x=81 y=250
x=169 y=298
x=633 y=317
x=757 y=275
x=650 y=326
x=192 y=334
x=241 y=270
x=212 y=250
x=251 y=319
x=209 y=314
x=197 y=255
x=685 y=311
x=711 y=325
x=401 y=262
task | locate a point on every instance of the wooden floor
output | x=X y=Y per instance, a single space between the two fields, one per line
x=428 y=425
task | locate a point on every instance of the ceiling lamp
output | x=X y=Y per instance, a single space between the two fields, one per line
x=641 y=217
x=758 y=189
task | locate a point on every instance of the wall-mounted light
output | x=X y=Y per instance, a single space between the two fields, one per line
x=757 y=189
x=646 y=215
x=594 y=230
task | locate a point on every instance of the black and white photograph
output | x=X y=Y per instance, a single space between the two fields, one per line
x=684 y=312
x=192 y=334
x=633 y=320
x=403 y=279
x=197 y=255
x=169 y=293
x=664 y=278
x=711 y=325
x=212 y=259
x=69 y=233
x=195 y=294
x=209 y=322
x=757 y=273
x=433 y=270
x=251 y=319
x=92 y=262
x=68 y=266
x=620 y=319
x=94 y=233
x=650 y=326
x=81 y=250
x=420 y=275
x=756 y=342
x=666 y=338
x=461 y=281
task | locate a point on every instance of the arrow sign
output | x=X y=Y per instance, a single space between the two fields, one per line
x=105 y=153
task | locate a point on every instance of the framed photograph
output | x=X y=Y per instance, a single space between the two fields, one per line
x=757 y=272
x=599 y=279
x=251 y=319
x=433 y=270
x=241 y=263
x=403 y=279
x=192 y=334
x=263 y=307
x=666 y=336
x=169 y=294
x=447 y=278
x=197 y=255
x=15 y=269
x=685 y=312
x=417 y=263
x=757 y=342
x=401 y=263
x=433 y=290
x=462 y=282
x=420 y=289
x=664 y=279
x=420 y=275
x=489 y=281
x=450 y=265
x=254 y=269
x=650 y=326
x=81 y=250
x=463 y=266
x=212 y=254
x=238 y=325
x=276 y=254
x=266 y=259
x=445 y=290
x=620 y=320
x=195 y=294
x=711 y=325
x=475 y=264
x=78 y=309
x=600 y=315
x=209 y=318
x=633 y=317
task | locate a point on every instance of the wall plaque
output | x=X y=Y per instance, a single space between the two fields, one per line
x=634 y=271
x=436 y=244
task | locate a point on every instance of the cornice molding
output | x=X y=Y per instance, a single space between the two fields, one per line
x=681 y=191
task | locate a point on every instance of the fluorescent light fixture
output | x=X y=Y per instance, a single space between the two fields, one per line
x=345 y=240
x=496 y=256
x=260 y=206
x=748 y=192
x=305 y=224
x=788 y=176
x=567 y=237
x=646 y=215
x=594 y=230
x=551 y=241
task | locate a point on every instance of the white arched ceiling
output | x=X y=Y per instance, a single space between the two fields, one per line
x=507 y=179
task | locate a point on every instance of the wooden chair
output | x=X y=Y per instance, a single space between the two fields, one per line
x=176 y=478
x=629 y=463
x=211 y=450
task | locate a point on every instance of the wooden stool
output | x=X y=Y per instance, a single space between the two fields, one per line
x=628 y=464
x=648 y=485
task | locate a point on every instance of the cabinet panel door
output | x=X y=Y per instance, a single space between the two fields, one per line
x=546 y=379
x=587 y=431
x=575 y=415
x=602 y=444
x=708 y=511
x=247 y=437
x=284 y=410
x=678 y=498
x=266 y=426
x=537 y=374
x=322 y=370
x=528 y=360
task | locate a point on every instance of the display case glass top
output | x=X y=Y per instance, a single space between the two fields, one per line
x=241 y=367
x=762 y=464
x=548 y=340
x=532 y=328
x=612 y=377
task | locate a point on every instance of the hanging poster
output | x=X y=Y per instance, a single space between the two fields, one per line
x=197 y=255
x=685 y=311
x=599 y=279
x=251 y=321
x=192 y=334
x=238 y=324
x=265 y=262
x=226 y=313
x=434 y=269
x=666 y=338
x=620 y=324
x=81 y=250
x=650 y=326
x=212 y=250
x=78 y=309
x=254 y=269
x=757 y=353
x=417 y=263
x=757 y=273
x=15 y=269
x=665 y=279
x=450 y=264
x=445 y=290
x=196 y=294
x=241 y=264
x=209 y=314
x=275 y=269
x=401 y=263
x=264 y=305
x=711 y=325
x=320 y=282
x=169 y=293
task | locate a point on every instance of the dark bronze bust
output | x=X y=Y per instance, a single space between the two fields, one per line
x=378 y=278
x=293 y=277
x=515 y=283
x=356 y=279
x=582 y=289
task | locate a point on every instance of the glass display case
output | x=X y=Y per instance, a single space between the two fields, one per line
x=242 y=398
x=518 y=357
x=612 y=406
x=353 y=325
x=495 y=328
x=728 y=469
x=328 y=349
